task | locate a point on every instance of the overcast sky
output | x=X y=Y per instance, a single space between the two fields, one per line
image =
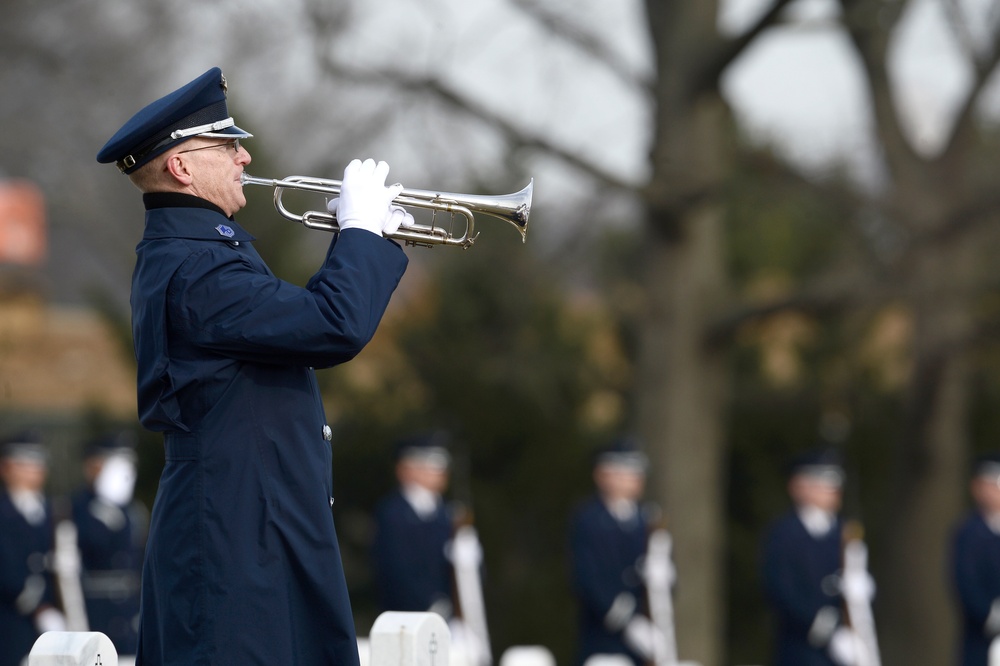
x=800 y=88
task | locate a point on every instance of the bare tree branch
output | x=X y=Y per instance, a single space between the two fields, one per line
x=518 y=138
x=731 y=49
x=964 y=129
x=587 y=42
x=870 y=24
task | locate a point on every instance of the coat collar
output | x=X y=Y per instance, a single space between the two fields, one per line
x=176 y=215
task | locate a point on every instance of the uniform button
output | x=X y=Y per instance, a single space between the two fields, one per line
x=327 y=433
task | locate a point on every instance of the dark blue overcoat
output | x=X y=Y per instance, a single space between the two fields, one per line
x=799 y=579
x=111 y=540
x=976 y=574
x=412 y=572
x=605 y=557
x=25 y=582
x=242 y=562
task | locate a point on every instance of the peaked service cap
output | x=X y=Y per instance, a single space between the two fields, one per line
x=195 y=109
x=429 y=448
x=821 y=463
x=26 y=446
x=623 y=451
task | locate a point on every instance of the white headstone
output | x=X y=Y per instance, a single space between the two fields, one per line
x=409 y=639
x=527 y=655
x=608 y=660
x=73 y=648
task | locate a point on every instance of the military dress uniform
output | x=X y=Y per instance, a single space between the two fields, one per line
x=800 y=579
x=242 y=562
x=110 y=539
x=413 y=527
x=111 y=536
x=975 y=570
x=412 y=570
x=801 y=565
x=609 y=536
x=606 y=555
x=26 y=583
x=976 y=575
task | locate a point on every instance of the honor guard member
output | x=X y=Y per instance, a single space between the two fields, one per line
x=242 y=562
x=412 y=529
x=27 y=594
x=608 y=538
x=111 y=534
x=801 y=565
x=976 y=564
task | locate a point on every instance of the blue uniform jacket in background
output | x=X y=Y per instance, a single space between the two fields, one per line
x=111 y=539
x=25 y=582
x=242 y=562
x=411 y=569
x=799 y=579
x=606 y=557
x=976 y=570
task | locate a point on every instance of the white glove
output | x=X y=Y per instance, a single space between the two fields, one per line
x=49 y=620
x=857 y=585
x=364 y=198
x=115 y=482
x=844 y=647
x=644 y=638
x=398 y=217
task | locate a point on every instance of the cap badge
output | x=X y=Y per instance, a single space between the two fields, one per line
x=225 y=231
x=224 y=85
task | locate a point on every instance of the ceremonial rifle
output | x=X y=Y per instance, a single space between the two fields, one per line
x=66 y=562
x=658 y=573
x=856 y=588
x=466 y=555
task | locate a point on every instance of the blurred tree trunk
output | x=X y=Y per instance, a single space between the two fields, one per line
x=681 y=382
x=934 y=278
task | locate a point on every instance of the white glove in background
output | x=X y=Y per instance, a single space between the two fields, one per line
x=857 y=585
x=364 y=198
x=49 y=620
x=844 y=647
x=644 y=638
x=115 y=482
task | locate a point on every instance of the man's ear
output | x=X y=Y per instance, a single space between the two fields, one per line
x=179 y=169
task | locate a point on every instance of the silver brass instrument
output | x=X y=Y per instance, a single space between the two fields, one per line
x=512 y=208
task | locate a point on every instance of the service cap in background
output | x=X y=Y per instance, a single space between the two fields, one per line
x=119 y=442
x=430 y=448
x=24 y=446
x=823 y=464
x=623 y=451
x=987 y=465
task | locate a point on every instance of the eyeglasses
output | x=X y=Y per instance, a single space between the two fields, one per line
x=232 y=143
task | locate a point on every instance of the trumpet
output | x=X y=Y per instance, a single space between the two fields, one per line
x=513 y=208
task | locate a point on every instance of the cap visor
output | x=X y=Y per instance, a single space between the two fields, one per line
x=233 y=132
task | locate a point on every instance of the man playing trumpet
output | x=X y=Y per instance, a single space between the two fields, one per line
x=242 y=563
